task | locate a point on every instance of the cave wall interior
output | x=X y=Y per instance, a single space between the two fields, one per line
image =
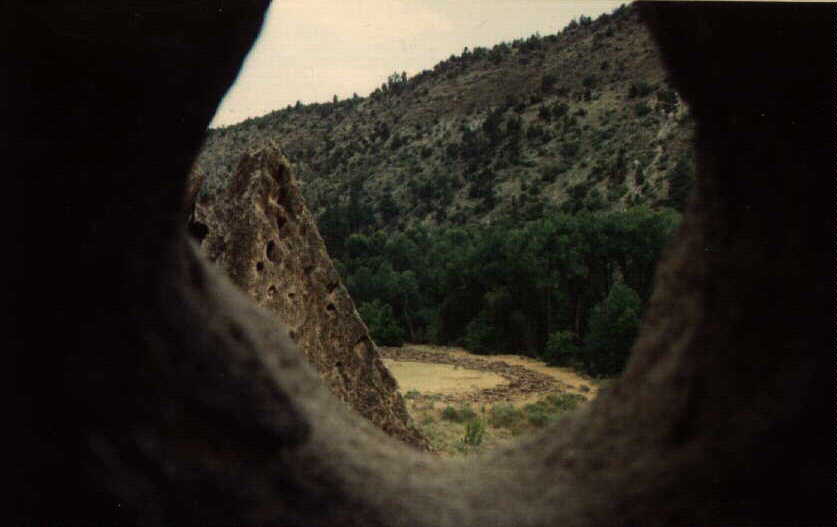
x=182 y=403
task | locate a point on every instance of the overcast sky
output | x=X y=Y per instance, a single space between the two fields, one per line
x=310 y=50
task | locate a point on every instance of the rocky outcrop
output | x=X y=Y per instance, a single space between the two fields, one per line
x=260 y=232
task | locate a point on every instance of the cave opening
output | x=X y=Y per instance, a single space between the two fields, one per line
x=206 y=413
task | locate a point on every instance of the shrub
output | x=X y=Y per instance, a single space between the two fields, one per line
x=534 y=132
x=474 y=432
x=667 y=99
x=504 y=416
x=560 y=109
x=569 y=149
x=617 y=192
x=565 y=401
x=464 y=414
x=641 y=109
x=537 y=414
x=639 y=89
x=450 y=414
x=589 y=81
x=548 y=82
x=550 y=173
x=412 y=394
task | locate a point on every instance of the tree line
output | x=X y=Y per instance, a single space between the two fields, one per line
x=568 y=288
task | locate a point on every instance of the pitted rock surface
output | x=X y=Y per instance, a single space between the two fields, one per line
x=260 y=232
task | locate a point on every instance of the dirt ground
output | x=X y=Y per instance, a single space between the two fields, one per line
x=478 y=378
x=447 y=388
x=426 y=377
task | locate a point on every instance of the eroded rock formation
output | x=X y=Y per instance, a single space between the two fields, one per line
x=259 y=231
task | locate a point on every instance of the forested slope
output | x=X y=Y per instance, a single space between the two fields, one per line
x=511 y=199
x=583 y=118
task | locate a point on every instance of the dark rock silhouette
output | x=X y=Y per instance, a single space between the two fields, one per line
x=259 y=231
x=153 y=392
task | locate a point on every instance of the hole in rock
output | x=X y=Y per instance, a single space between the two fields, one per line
x=260 y=266
x=236 y=332
x=280 y=222
x=198 y=230
x=270 y=251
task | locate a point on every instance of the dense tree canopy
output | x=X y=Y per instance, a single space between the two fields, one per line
x=569 y=288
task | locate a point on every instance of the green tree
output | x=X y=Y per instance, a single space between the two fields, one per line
x=613 y=328
x=480 y=335
x=358 y=246
x=491 y=125
x=383 y=327
x=561 y=349
x=387 y=208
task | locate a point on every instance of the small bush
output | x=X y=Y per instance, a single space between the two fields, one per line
x=641 y=109
x=537 y=413
x=639 y=89
x=617 y=192
x=462 y=415
x=534 y=132
x=504 y=416
x=551 y=172
x=569 y=149
x=412 y=394
x=474 y=432
x=548 y=82
x=565 y=401
x=466 y=413
x=667 y=99
x=589 y=81
x=450 y=414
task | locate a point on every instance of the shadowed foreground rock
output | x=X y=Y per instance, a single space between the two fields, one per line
x=259 y=231
x=155 y=392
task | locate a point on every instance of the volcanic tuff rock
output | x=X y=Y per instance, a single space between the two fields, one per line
x=261 y=233
x=132 y=421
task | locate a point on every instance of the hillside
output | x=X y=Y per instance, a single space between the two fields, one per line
x=511 y=200
x=582 y=119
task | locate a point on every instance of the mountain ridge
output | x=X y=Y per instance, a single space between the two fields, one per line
x=582 y=119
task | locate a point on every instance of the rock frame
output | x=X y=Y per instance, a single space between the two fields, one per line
x=181 y=403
